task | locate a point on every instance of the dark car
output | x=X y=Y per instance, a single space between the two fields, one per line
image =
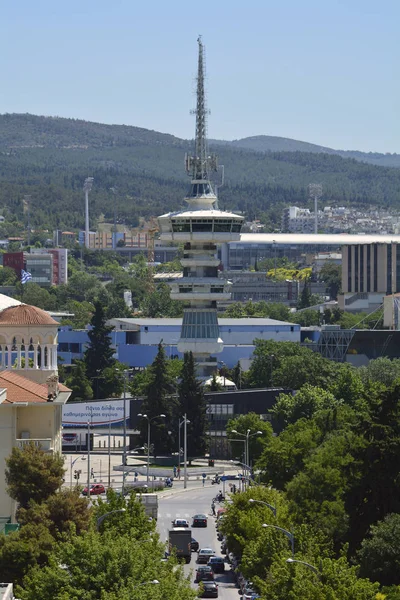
x=204 y=573
x=210 y=590
x=217 y=563
x=199 y=521
x=194 y=545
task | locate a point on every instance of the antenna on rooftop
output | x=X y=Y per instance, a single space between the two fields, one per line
x=202 y=163
x=315 y=193
x=87 y=186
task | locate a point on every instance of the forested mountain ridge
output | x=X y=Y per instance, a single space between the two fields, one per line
x=270 y=143
x=49 y=158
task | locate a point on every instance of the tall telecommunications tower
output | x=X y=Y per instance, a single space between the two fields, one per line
x=87 y=186
x=315 y=192
x=200 y=226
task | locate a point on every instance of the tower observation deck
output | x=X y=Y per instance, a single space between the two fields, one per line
x=201 y=226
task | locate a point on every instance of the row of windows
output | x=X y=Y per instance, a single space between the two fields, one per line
x=206 y=225
x=199 y=332
x=195 y=289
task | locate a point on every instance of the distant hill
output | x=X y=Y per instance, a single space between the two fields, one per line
x=49 y=158
x=270 y=143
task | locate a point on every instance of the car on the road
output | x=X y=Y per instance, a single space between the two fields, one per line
x=217 y=563
x=194 y=545
x=204 y=555
x=180 y=523
x=199 y=521
x=210 y=590
x=204 y=573
x=95 y=490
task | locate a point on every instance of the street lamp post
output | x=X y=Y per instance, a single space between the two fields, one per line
x=247 y=436
x=306 y=564
x=180 y=423
x=185 y=451
x=273 y=508
x=112 y=512
x=149 y=421
x=286 y=532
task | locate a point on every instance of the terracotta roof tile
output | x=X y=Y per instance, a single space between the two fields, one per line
x=22 y=389
x=25 y=314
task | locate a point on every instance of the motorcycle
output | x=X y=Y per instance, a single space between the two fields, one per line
x=168 y=483
x=216 y=479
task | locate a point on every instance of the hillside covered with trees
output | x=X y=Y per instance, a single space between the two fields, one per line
x=49 y=158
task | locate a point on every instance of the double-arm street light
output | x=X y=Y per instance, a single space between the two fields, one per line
x=287 y=533
x=184 y=422
x=273 y=508
x=112 y=512
x=306 y=564
x=246 y=437
x=154 y=582
x=149 y=421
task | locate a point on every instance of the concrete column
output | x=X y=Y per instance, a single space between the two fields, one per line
x=19 y=356
x=26 y=356
x=54 y=356
x=35 y=355
x=9 y=357
x=3 y=357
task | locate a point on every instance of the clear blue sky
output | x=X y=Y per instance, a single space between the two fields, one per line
x=323 y=71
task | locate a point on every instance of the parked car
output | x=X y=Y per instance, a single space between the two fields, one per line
x=249 y=594
x=180 y=523
x=204 y=573
x=194 y=545
x=199 y=521
x=204 y=555
x=95 y=490
x=217 y=563
x=210 y=590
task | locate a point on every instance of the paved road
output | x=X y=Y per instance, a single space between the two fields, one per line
x=185 y=504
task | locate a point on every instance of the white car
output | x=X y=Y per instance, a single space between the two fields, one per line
x=204 y=554
x=180 y=523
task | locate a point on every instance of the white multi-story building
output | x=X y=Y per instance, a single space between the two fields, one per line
x=201 y=226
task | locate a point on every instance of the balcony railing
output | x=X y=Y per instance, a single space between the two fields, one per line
x=44 y=443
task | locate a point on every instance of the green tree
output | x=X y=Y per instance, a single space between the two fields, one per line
x=382 y=370
x=101 y=366
x=79 y=384
x=61 y=513
x=32 y=474
x=8 y=276
x=157 y=402
x=253 y=423
x=331 y=274
x=305 y=299
x=82 y=314
x=290 y=408
x=159 y=303
x=191 y=403
x=379 y=554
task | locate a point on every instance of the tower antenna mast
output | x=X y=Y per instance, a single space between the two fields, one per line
x=202 y=163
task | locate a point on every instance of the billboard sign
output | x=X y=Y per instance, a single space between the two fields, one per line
x=96 y=414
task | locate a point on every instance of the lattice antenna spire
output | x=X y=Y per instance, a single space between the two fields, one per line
x=201 y=164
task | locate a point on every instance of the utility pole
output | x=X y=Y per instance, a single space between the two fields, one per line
x=87 y=186
x=185 y=452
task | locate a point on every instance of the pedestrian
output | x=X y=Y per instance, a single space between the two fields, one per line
x=204 y=479
x=179 y=472
x=136 y=475
x=174 y=471
x=213 y=508
x=92 y=472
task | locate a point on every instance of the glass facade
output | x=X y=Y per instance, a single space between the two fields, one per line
x=199 y=324
x=206 y=225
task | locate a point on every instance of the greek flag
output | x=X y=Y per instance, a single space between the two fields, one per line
x=25 y=276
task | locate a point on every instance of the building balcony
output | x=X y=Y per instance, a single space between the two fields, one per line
x=46 y=444
x=204 y=296
x=200 y=261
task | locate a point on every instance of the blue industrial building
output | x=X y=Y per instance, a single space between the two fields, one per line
x=136 y=340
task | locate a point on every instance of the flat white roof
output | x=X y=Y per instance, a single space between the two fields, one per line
x=201 y=214
x=333 y=239
x=251 y=321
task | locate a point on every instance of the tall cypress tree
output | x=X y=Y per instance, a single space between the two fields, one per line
x=158 y=402
x=101 y=366
x=192 y=403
